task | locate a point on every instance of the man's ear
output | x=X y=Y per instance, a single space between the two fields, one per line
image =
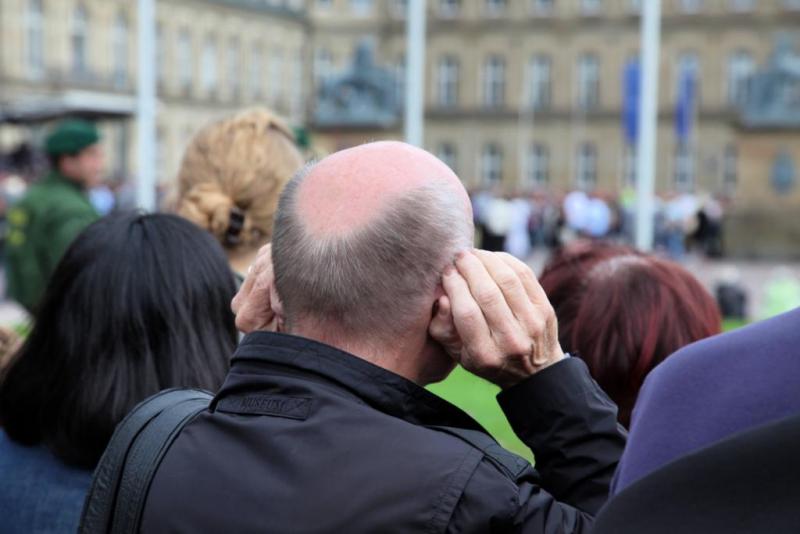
x=276 y=305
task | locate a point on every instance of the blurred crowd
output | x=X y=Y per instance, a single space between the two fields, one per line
x=520 y=223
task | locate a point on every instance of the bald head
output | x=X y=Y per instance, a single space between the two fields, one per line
x=352 y=188
x=361 y=237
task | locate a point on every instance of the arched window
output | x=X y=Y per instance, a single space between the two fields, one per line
x=494 y=79
x=540 y=69
x=119 y=48
x=34 y=31
x=741 y=67
x=588 y=81
x=538 y=167
x=492 y=164
x=448 y=78
x=586 y=169
x=185 y=61
x=234 y=75
x=447 y=153
x=256 y=71
x=80 y=40
x=323 y=65
x=209 y=63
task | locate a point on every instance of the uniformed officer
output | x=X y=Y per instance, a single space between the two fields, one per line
x=54 y=211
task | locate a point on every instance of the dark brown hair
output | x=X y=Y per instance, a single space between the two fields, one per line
x=624 y=312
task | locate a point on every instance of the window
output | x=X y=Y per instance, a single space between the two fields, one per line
x=323 y=65
x=588 y=82
x=538 y=165
x=208 y=74
x=740 y=71
x=730 y=175
x=635 y=6
x=361 y=8
x=684 y=168
x=119 y=48
x=629 y=165
x=160 y=155
x=275 y=76
x=324 y=4
x=591 y=7
x=400 y=80
x=492 y=164
x=539 y=81
x=742 y=6
x=296 y=81
x=399 y=8
x=80 y=40
x=256 y=71
x=185 y=60
x=447 y=78
x=691 y=6
x=34 y=31
x=234 y=76
x=449 y=8
x=586 y=168
x=447 y=153
x=794 y=5
x=160 y=63
x=494 y=81
x=495 y=8
x=543 y=7
x=688 y=72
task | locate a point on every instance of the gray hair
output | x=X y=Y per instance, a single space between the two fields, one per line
x=370 y=281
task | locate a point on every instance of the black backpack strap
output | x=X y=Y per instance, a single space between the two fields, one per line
x=511 y=464
x=123 y=475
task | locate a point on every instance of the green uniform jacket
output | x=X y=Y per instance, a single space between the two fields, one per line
x=40 y=228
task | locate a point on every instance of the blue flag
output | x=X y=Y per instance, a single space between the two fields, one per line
x=684 y=107
x=631 y=82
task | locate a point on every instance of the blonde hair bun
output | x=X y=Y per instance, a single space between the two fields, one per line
x=237 y=165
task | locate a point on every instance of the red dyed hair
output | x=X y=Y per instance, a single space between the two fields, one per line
x=624 y=312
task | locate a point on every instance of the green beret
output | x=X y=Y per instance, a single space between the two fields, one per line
x=70 y=137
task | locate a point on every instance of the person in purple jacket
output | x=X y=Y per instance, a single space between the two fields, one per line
x=710 y=390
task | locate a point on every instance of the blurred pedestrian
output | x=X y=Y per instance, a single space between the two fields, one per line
x=54 y=211
x=518 y=240
x=138 y=303
x=231 y=176
x=624 y=312
x=497 y=221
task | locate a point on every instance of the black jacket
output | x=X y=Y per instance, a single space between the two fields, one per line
x=745 y=484
x=303 y=438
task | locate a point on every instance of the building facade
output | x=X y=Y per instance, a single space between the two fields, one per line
x=213 y=57
x=532 y=93
x=525 y=93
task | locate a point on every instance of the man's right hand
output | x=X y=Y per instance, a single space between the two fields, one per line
x=256 y=302
x=496 y=320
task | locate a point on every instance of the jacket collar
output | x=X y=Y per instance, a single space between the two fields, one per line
x=55 y=176
x=386 y=391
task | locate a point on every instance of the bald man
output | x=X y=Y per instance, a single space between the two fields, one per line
x=370 y=292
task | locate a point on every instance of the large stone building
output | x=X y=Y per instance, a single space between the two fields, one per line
x=528 y=93
x=213 y=57
x=531 y=92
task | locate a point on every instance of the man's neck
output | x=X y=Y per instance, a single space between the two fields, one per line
x=403 y=356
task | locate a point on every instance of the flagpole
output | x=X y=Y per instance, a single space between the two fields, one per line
x=146 y=107
x=648 y=123
x=415 y=73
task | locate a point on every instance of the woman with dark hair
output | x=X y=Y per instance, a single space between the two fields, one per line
x=138 y=304
x=624 y=312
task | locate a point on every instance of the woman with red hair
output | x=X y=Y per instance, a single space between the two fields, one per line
x=624 y=312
